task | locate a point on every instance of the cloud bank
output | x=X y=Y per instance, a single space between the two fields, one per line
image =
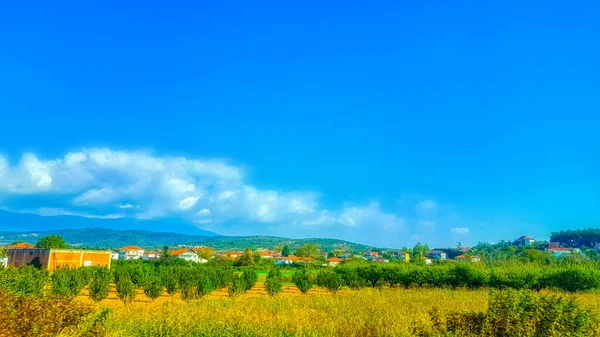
x=213 y=194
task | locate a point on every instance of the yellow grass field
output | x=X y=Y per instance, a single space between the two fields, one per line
x=368 y=312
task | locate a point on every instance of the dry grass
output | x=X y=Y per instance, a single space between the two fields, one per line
x=368 y=312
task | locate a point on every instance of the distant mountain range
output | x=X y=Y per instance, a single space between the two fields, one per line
x=13 y=222
x=110 y=233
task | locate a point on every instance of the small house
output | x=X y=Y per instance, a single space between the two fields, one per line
x=333 y=261
x=402 y=256
x=151 y=256
x=472 y=258
x=559 y=252
x=21 y=245
x=436 y=254
x=188 y=254
x=524 y=241
x=130 y=253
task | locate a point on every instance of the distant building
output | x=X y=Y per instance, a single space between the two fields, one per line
x=436 y=254
x=130 y=253
x=151 y=256
x=464 y=257
x=114 y=255
x=333 y=261
x=464 y=249
x=427 y=260
x=4 y=262
x=52 y=259
x=188 y=254
x=524 y=241
x=558 y=252
x=402 y=256
x=232 y=255
x=285 y=260
x=550 y=245
x=268 y=254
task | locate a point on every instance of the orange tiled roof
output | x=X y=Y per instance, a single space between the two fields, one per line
x=181 y=251
x=131 y=248
x=21 y=245
x=333 y=259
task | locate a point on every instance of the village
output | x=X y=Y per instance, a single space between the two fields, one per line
x=21 y=253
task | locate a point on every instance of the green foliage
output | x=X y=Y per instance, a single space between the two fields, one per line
x=237 y=286
x=286 y=251
x=247 y=259
x=100 y=285
x=518 y=314
x=250 y=278
x=26 y=280
x=125 y=289
x=153 y=288
x=302 y=280
x=577 y=237
x=69 y=282
x=206 y=282
x=330 y=279
x=52 y=241
x=308 y=250
x=274 y=281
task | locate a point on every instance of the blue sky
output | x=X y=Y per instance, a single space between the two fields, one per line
x=384 y=123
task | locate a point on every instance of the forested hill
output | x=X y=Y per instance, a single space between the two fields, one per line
x=109 y=238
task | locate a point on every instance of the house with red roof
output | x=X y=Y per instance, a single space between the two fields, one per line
x=188 y=254
x=333 y=261
x=131 y=253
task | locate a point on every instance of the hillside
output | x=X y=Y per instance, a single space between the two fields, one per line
x=110 y=238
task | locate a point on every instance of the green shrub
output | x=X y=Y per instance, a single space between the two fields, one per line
x=153 y=288
x=330 y=279
x=100 y=286
x=237 y=286
x=250 y=278
x=301 y=279
x=274 y=281
x=125 y=289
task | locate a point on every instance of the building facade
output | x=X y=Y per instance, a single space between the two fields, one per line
x=51 y=259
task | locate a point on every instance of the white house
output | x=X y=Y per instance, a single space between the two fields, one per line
x=436 y=254
x=188 y=254
x=3 y=262
x=130 y=253
x=333 y=261
x=151 y=256
x=114 y=255
x=524 y=241
x=558 y=252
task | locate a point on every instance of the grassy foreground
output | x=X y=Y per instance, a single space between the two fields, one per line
x=368 y=312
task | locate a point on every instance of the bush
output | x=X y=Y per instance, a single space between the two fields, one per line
x=100 y=284
x=237 y=286
x=44 y=316
x=153 y=288
x=125 y=289
x=301 y=279
x=250 y=278
x=519 y=314
x=274 y=281
x=205 y=283
x=329 y=279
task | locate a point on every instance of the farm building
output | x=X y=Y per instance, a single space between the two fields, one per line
x=436 y=254
x=52 y=259
x=524 y=241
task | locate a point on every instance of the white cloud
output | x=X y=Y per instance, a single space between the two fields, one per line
x=427 y=206
x=126 y=206
x=460 y=230
x=202 y=191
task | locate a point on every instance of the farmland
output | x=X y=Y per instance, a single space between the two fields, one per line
x=369 y=300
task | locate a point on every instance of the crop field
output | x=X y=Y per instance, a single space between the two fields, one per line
x=365 y=312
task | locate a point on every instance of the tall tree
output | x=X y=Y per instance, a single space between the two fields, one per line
x=247 y=259
x=52 y=241
x=308 y=250
x=286 y=251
